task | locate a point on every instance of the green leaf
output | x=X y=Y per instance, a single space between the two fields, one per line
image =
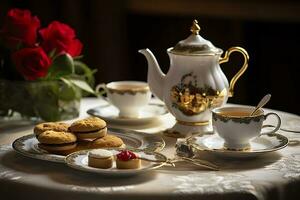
x=82 y=69
x=82 y=84
x=68 y=91
x=78 y=57
x=86 y=73
x=61 y=66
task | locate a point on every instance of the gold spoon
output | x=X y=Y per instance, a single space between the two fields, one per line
x=262 y=102
x=198 y=162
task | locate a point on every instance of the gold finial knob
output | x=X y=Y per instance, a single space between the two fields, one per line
x=195 y=28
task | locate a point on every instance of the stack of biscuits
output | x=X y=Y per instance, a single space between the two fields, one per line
x=62 y=138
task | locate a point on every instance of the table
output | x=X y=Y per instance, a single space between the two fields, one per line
x=272 y=176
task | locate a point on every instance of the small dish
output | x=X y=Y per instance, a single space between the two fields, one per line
x=110 y=114
x=213 y=143
x=79 y=160
x=28 y=145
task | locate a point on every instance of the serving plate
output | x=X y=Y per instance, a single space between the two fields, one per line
x=28 y=145
x=79 y=160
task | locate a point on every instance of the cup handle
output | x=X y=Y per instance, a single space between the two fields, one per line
x=101 y=89
x=276 y=127
x=241 y=71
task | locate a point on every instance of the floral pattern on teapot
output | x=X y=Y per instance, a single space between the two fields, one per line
x=191 y=99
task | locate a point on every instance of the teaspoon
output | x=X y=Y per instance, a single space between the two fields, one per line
x=262 y=102
x=195 y=161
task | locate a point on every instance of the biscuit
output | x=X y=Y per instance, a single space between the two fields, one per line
x=92 y=135
x=107 y=141
x=87 y=125
x=56 y=140
x=89 y=128
x=81 y=145
x=100 y=158
x=54 y=148
x=55 y=126
x=56 y=137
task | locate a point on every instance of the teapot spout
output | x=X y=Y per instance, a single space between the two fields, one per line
x=155 y=76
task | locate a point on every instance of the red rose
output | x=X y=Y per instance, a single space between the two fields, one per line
x=32 y=63
x=19 y=27
x=60 y=37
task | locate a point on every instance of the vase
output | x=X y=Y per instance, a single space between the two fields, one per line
x=38 y=100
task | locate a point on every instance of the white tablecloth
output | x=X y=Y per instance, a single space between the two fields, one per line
x=272 y=176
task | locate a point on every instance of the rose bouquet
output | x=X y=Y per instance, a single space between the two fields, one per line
x=41 y=75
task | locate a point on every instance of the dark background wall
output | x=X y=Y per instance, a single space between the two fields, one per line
x=113 y=31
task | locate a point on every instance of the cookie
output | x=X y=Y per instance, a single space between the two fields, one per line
x=81 y=145
x=87 y=125
x=91 y=135
x=55 y=126
x=107 y=141
x=100 y=158
x=89 y=128
x=55 y=141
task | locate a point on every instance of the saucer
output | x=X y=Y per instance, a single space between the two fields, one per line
x=110 y=113
x=258 y=146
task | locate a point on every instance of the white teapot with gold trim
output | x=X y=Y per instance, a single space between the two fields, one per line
x=195 y=83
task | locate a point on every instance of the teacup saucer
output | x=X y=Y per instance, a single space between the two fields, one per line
x=215 y=144
x=110 y=113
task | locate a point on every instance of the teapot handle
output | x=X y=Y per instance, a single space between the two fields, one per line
x=241 y=71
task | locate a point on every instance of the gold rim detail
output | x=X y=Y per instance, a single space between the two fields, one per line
x=132 y=91
x=193 y=123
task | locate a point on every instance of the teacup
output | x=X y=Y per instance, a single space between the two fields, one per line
x=237 y=127
x=128 y=96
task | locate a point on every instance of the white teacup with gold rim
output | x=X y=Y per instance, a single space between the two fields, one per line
x=237 y=127
x=128 y=96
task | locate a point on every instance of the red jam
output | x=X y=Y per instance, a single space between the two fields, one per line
x=126 y=155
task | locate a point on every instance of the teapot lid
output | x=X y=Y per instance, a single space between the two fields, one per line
x=195 y=44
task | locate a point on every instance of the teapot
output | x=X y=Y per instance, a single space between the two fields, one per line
x=194 y=84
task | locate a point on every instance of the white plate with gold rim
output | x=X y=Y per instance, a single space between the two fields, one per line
x=214 y=144
x=110 y=114
x=79 y=160
x=28 y=145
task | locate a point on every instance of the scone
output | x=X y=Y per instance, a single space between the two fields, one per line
x=89 y=128
x=100 y=158
x=54 y=126
x=56 y=141
x=127 y=160
x=107 y=141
